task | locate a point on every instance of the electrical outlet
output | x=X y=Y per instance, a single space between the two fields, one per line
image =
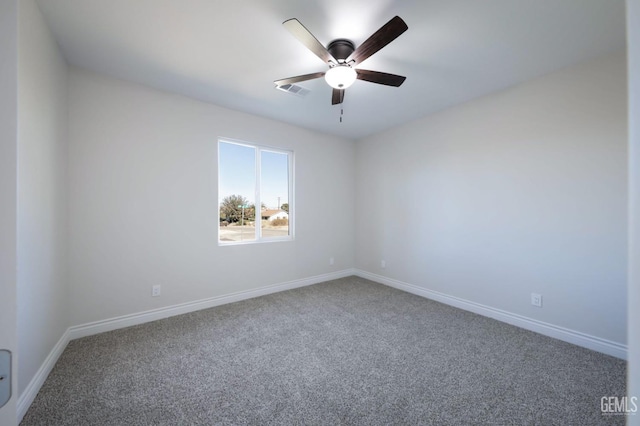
x=155 y=290
x=331 y=261
x=383 y=264
x=536 y=300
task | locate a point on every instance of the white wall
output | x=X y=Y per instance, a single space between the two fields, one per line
x=8 y=196
x=633 y=46
x=521 y=191
x=42 y=195
x=143 y=201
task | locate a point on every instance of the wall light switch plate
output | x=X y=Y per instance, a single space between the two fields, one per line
x=5 y=376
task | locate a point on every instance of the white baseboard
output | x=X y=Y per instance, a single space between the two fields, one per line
x=26 y=398
x=608 y=347
x=96 y=327
x=110 y=324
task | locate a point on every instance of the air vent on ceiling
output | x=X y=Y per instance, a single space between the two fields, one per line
x=294 y=90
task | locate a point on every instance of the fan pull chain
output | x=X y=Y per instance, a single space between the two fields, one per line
x=341 y=114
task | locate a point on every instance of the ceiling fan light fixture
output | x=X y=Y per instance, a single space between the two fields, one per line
x=340 y=76
x=343 y=57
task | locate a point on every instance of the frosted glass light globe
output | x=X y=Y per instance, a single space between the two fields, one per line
x=340 y=76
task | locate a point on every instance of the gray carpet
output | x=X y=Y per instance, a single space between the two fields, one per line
x=347 y=352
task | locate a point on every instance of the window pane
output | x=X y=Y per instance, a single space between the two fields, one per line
x=236 y=192
x=274 y=194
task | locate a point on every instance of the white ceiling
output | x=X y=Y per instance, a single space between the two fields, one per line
x=229 y=52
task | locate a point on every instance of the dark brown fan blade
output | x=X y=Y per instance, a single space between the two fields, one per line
x=385 y=35
x=292 y=80
x=337 y=97
x=305 y=37
x=381 y=77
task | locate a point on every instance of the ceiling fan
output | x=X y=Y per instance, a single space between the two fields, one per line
x=342 y=57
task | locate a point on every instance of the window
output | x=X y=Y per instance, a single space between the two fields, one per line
x=255 y=192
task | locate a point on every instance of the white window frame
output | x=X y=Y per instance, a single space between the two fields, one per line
x=258 y=201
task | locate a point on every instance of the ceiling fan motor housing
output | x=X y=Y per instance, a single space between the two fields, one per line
x=341 y=49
